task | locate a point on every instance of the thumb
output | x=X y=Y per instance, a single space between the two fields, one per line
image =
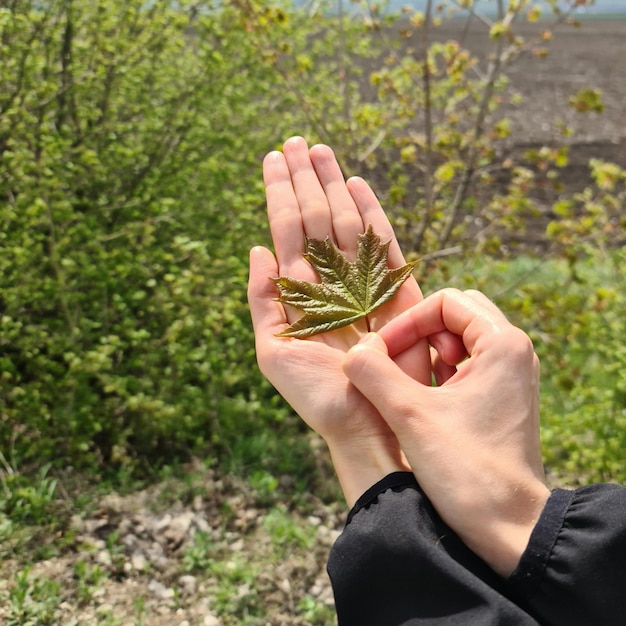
x=392 y=392
x=267 y=315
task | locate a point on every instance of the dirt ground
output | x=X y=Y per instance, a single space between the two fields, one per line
x=578 y=57
x=206 y=550
x=149 y=543
x=589 y=56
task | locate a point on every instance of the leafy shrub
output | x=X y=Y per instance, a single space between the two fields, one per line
x=129 y=196
x=579 y=332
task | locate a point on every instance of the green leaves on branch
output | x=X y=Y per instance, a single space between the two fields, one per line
x=349 y=291
x=120 y=144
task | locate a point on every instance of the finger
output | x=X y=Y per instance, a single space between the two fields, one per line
x=416 y=362
x=447 y=310
x=283 y=211
x=449 y=347
x=268 y=316
x=442 y=371
x=346 y=219
x=392 y=392
x=482 y=299
x=314 y=208
x=419 y=362
x=372 y=213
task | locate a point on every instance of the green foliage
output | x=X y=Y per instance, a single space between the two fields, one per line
x=264 y=486
x=236 y=594
x=287 y=533
x=27 y=499
x=129 y=197
x=32 y=600
x=584 y=397
x=88 y=578
x=592 y=219
x=199 y=555
x=315 y=613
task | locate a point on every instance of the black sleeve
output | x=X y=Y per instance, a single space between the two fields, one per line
x=574 y=569
x=396 y=563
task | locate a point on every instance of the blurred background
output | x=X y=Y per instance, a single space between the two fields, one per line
x=148 y=473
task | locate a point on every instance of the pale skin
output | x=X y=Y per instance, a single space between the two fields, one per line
x=308 y=196
x=472 y=442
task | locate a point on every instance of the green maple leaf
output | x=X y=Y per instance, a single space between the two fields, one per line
x=349 y=291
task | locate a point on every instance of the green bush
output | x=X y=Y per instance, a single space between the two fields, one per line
x=578 y=328
x=129 y=196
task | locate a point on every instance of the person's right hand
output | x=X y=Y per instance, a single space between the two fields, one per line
x=473 y=441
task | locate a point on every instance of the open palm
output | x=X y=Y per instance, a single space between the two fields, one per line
x=307 y=196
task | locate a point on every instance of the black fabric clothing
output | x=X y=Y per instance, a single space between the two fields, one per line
x=397 y=563
x=574 y=569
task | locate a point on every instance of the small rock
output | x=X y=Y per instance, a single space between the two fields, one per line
x=156 y=555
x=160 y=591
x=237 y=546
x=163 y=523
x=188 y=584
x=130 y=541
x=202 y=524
x=112 y=503
x=138 y=561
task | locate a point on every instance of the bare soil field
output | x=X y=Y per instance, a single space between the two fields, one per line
x=589 y=56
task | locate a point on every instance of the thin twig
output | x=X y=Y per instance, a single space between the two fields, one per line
x=428 y=130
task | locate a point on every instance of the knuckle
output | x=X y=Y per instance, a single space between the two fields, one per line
x=520 y=345
x=451 y=292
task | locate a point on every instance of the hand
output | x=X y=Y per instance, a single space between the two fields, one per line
x=307 y=196
x=473 y=441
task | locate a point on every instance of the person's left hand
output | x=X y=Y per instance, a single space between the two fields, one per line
x=308 y=197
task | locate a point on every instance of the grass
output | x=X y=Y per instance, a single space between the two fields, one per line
x=32 y=600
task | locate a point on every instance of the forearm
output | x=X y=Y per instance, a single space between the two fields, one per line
x=398 y=563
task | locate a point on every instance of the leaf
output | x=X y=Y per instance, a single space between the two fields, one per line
x=349 y=291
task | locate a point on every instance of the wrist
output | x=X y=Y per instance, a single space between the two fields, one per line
x=502 y=538
x=361 y=463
